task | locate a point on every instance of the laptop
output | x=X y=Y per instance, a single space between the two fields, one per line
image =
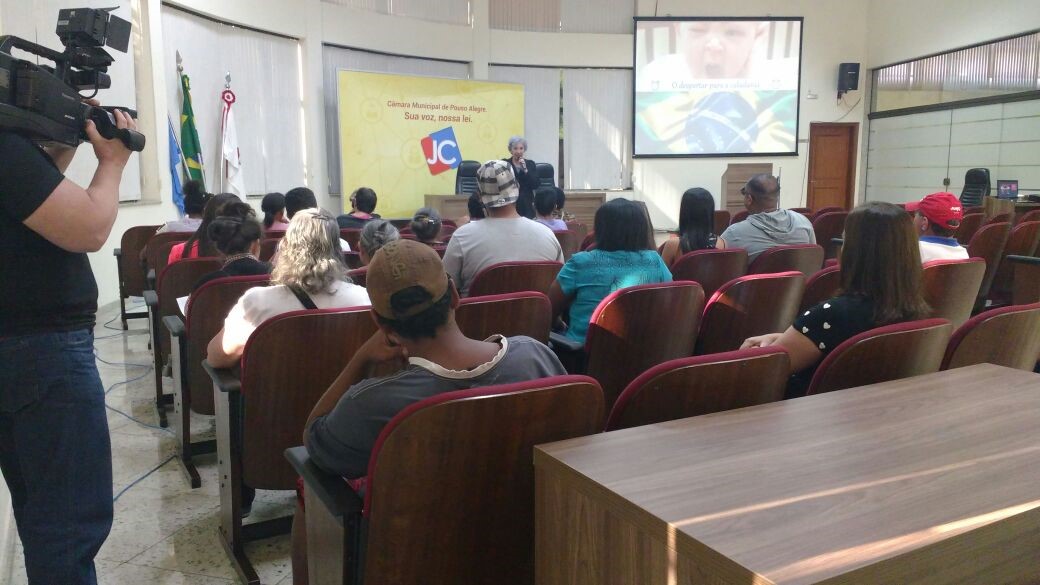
x=1007 y=189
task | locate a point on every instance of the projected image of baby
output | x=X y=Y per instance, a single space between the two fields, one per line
x=719 y=50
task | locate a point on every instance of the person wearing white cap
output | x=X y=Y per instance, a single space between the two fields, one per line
x=504 y=236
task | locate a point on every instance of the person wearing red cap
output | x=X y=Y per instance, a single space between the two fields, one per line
x=936 y=219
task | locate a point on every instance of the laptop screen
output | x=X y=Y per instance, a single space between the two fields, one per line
x=1007 y=189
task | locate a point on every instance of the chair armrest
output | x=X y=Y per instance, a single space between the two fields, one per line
x=151 y=298
x=223 y=378
x=332 y=490
x=838 y=241
x=1023 y=259
x=560 y=342
x=150 y=277
x=174 y=324
x=117 y=252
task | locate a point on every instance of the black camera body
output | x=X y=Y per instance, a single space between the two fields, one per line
x=44 y=103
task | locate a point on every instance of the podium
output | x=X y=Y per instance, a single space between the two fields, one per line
x=583 y=204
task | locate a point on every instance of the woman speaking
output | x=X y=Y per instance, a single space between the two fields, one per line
x=525 y=174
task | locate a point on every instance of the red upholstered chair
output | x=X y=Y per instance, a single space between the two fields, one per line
x=721 y=221
x=589 y=242
x=821 y=286
x=886 y=353
x=262 y=412
x=521 y=313
x=1022 y=242
x=268 y=246
x=352 y=236
x=1033 y=215
x=951 y=287
x=1025 y=289
x=702 y=385
x=507 y=277
x=751 y=305
x=128 y=267
x=988 y=244
x=175 y=281
x=359 y=275
x=999 y=218
x=739 y=217
x=581 y=229
x=828 y=226
x=422 y=501
x=805 y=258
x=353 y=259
x=823 y=210
x=711 y=268
x=446 y=232
x=970 y=223
x=638 y=327
x=569 y=241
x=157 y=252
x=1008 y=336
x=192 y=388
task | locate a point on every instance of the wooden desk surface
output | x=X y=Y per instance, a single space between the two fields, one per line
x=877 y=480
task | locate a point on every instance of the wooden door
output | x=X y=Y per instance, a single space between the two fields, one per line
x=832 y=164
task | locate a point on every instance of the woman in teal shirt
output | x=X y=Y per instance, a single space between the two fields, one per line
x=624 y=256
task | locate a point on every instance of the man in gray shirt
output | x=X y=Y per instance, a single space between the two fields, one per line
x=413 y=300
x=767 y=225
x=503 y=236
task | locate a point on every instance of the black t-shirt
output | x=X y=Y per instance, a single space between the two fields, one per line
x=43 y=288
x=827 y=325
x=242 y=267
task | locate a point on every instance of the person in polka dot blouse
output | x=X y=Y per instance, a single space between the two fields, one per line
x=880 y=285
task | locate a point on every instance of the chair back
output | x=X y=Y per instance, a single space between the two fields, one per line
x=739 y=217
x=521 y=313
x=174 y=282
x=970 y=223
x=802 y=210
x=131 y=278
x=1009 y=336
x=288 y=363
x=351 y=236
x=570 y=242
x=976 y=186
x=588 y=242
x=828 y=226
x=157 y=250
x=886 y=353
x=207 y=308
x=747 y=306
x=721 y=221
x=579 y=228
x=951 y=287
x=636 y=328
x=823 y=210
x=359 y=275
x=805 y=258
x=466 y=177
x=1033 y=215
x=446 y=232
x=507 y=277
x=988 y=244
x=1022 y=242
x=702 y=385
x=546 y=174
x=456 y=469
x=268 y=246
x=711 y=268
x=822 y=285
x=998 y=218
x=352 y=259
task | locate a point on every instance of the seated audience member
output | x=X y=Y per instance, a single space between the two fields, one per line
x=376 y=234
x=273 y=206
x=309 y=273
x=624 y=256
x=503 y=236
x=767 y=225
x=476 y=211
x=414 y=303
x=696 y=226
x=303 y=198
x=880 y=284
x=426 y=225
x=936 y=219
x=195 y=198
x=362 y=208
x=236 y=234
x=545 y=202
x=199 y=245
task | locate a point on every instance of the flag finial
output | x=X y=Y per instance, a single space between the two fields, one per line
x=180 y=63
x=227 y=80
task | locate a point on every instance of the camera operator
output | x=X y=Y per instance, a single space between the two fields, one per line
x=55 y=451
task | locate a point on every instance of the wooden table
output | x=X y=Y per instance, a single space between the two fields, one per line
x=934 y=479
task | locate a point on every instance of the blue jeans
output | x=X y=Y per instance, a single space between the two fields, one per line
x=55 y=453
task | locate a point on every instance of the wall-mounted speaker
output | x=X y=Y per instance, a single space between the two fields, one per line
x=848 y=77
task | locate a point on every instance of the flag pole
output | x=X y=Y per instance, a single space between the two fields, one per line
x=223 y=129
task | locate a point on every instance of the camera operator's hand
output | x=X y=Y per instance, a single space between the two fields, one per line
x=111 y=151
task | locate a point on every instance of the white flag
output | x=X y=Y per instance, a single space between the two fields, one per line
x=234 y=181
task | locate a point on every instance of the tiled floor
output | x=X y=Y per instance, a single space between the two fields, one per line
x=164 y=532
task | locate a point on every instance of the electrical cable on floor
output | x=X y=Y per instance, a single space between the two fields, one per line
x=117 y=364
x=142 y=478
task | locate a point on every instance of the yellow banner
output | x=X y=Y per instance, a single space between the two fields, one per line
x=404 y=136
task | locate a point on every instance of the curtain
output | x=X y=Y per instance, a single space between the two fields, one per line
x=541 y=109
x=597 y=128
x=265 y=76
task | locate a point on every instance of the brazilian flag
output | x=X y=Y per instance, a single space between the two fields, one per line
x=190 y=145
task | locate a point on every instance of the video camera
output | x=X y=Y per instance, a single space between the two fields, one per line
x=43 y=103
